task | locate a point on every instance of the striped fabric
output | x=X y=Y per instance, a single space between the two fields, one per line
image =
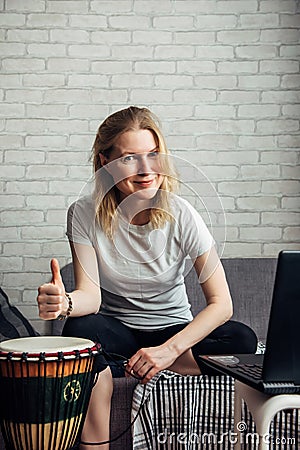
x=176 y=412
x=183 y=412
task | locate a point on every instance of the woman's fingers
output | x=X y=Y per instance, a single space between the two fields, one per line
x=51 y=301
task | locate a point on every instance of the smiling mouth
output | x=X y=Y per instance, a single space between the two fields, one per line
x=144 y=183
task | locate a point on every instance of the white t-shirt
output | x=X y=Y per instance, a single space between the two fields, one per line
x=141 y=269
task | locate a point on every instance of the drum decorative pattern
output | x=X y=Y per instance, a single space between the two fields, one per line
x=44 y=397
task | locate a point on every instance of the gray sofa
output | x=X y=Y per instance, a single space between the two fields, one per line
x=251 y=284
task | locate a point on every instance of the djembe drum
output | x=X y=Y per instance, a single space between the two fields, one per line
x=45 y=387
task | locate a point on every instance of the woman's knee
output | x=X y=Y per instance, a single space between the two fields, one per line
x=243 y=337
x=82 y=327
x=229 y=338
x=113 y=336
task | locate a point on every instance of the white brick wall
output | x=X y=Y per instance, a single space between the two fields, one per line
x=223 y=76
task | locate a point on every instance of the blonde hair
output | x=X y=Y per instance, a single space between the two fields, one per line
x=106 y=193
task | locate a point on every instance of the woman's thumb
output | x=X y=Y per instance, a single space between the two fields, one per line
x=56 y=277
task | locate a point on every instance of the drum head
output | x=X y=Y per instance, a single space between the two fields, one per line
x=47 y=344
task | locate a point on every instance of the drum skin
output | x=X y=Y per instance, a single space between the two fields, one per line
x=44 y=396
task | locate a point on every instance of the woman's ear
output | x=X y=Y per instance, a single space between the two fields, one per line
x=103 y=160
x=104 y=163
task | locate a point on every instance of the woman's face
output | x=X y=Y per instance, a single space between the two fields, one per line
x=134 y=165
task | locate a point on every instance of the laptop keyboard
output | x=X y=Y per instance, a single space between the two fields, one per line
x=252 y=370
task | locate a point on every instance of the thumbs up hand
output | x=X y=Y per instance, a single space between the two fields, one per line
x=56 y=277
x=51 y=296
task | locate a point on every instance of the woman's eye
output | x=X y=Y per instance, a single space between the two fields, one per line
x=153 y=154
x=128 y=159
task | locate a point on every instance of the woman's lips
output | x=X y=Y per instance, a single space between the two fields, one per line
x=144 y=183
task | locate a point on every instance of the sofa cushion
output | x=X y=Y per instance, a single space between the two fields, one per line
x=12 y=322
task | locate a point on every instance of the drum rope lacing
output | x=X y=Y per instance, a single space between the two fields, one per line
x=81 y=373
x=21 y=362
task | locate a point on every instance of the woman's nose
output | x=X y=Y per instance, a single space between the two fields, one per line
x=144 y=165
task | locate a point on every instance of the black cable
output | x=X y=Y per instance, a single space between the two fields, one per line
x=111 y=357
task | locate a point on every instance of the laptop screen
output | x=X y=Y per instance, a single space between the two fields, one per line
x=282 y=356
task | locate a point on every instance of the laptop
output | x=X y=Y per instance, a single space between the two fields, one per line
x=278 y=370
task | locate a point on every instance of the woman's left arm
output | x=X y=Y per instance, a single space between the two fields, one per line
x=217 y=311
x=219 y=307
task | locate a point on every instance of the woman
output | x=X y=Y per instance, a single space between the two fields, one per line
x=129 y=241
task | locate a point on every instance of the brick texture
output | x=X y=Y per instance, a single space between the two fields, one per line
x=223 y=76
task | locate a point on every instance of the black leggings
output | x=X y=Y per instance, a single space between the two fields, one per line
x=115 y=337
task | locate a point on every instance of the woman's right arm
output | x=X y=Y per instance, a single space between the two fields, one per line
x=86 y=297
